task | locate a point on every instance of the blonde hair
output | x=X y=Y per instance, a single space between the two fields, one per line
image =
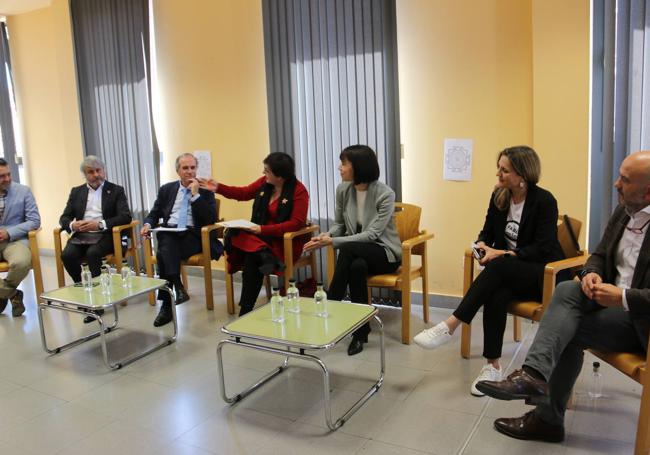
x=525 y=162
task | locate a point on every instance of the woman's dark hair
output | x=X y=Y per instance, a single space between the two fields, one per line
x=281 y=164
x=364 y=163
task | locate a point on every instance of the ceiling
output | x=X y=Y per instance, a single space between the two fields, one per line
x=10 y=7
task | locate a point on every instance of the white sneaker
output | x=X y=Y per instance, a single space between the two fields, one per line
x=488 y=373
x=433 y=337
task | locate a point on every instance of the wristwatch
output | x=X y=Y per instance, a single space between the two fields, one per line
x=101 y=225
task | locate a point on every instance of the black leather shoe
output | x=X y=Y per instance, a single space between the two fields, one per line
x=530 y=427
x=164 y=316
x=518 y=386
x=17 y=306
x=181 y=295
x=3 y=304
x=356 y=346
x=89 y=319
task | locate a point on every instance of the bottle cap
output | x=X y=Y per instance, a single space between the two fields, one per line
x=292 y=281
x=124 y=261
x=276 y=289
x=320 y=283
x=596 y=364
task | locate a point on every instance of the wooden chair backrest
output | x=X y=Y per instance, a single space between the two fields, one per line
x=567 y=243
x=407 y=223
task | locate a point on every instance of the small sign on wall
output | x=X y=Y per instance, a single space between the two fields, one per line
x=204 y=157
x=458 y=159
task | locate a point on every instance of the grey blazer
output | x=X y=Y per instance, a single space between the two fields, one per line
x=378 y=222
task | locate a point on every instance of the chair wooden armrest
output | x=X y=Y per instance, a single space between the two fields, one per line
x=205 y=243
x=58 y=249
x=36 y=262
x=550 y=274
x=117 y=232
x=407 y=245
x=288 y=238
x=304 y=231
x=331 y=262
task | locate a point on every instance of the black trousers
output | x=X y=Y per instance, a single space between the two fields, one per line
x=355 y=262
x=173 y=247
x=73 y=254
x=503 y=280
x=252 y=280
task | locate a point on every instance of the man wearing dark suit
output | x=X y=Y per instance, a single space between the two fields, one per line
x=608 y=310
x=89 y=216
x=183 y=205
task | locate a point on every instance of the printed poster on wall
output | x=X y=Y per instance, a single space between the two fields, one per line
x=458 y=159
x=204 y=170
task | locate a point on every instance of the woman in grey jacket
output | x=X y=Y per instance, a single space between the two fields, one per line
x=363 y=231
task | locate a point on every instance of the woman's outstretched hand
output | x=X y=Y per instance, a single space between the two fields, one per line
x=208 y=184
x=317 y=241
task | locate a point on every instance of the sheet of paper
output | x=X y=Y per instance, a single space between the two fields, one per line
x=458 y=159
x=204 y=157
x=168 y=229
x=241 y=224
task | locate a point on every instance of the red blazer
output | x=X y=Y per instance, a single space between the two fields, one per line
x=275 y=231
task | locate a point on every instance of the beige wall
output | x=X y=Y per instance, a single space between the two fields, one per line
x=500 y=72
x=212 y=85
x=465 y=71
x=561 y=101
x=43 y=68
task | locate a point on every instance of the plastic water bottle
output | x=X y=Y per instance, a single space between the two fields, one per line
x=596 y=382
x=320 y=299
x=86 y=277
x=126 y=274
x=105 y=280
x=293 y=298
x=277 y=306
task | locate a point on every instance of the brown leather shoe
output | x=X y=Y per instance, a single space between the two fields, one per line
x=530 y=427
x=518 y=386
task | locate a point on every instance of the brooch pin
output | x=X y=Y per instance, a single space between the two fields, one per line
x=262 y=193
x=284 y=201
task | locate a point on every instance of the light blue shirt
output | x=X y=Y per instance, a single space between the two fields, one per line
x=173 y=217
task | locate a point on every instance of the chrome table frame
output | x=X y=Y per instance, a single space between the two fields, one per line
x=296 y=350
x=75 y=307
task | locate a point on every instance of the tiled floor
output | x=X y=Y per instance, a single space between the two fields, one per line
x=168 y=402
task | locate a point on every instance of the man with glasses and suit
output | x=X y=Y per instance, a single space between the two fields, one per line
x=608 y=310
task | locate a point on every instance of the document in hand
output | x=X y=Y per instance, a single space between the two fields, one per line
x=168 y=229
x=238 y=224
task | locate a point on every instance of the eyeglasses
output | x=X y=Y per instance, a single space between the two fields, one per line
x=638 y=230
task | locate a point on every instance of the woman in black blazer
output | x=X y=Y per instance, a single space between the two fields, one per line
x=518 y=238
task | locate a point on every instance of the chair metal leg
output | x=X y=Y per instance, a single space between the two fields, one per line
x=465 y=340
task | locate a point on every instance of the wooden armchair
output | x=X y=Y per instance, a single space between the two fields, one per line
x=414 y=243
x=306 y=260
x=36 y=263
x=202 y=259
x=530 y=309
x=118 y=254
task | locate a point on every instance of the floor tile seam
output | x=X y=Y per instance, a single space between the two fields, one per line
x=483 y=413
x=63 y=450
x=31 y=387
x=389 y=444
x=598 y=438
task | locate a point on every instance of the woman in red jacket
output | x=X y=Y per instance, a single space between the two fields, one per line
x=280 y=206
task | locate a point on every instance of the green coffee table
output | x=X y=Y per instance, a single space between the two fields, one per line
x=75 y=299
x=300 y=333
